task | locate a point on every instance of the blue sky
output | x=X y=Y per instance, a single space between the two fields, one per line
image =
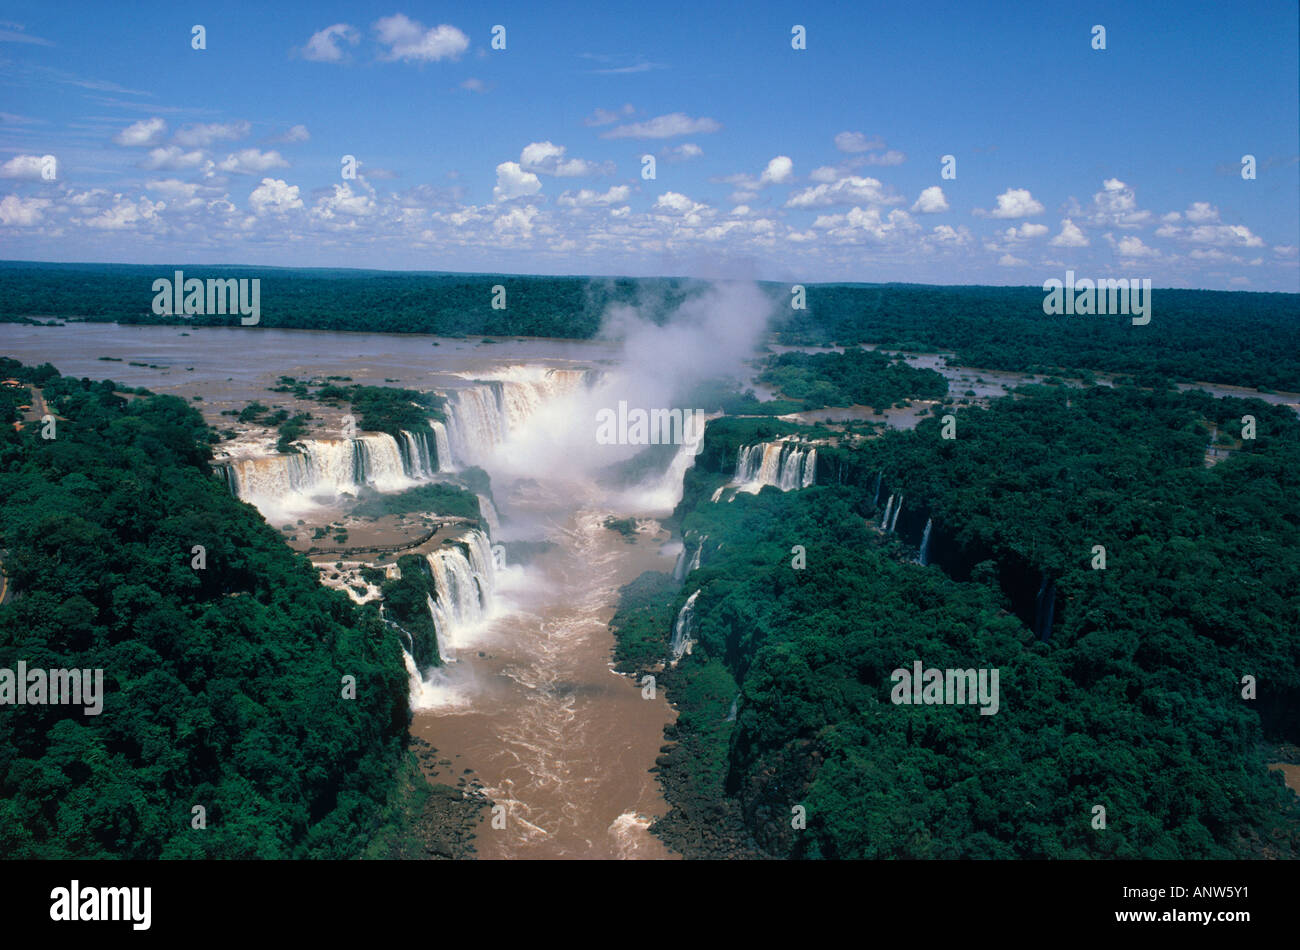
x=804 y=165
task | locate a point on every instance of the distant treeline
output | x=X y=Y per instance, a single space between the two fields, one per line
x=1239 y=338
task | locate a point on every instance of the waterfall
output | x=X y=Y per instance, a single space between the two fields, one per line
x=884 y=522
x=481 y=417
x=464 y=578
x=416 y=460
x=490 y=517
x=685 y=566
x=785 y=465
x=731 y=713
x=445 y=649
x=923 y=558
x=875 y=502
x=682 y=628
x=442 y=445
x=894 y=522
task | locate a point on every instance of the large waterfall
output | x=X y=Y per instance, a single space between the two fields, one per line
x=481 y=417
x=465 y=579
x=330 y=467
x=682 y=628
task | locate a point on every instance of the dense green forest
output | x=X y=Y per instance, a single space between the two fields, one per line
x=1238 y=338
x=224 y=682
x=855 y=377
x=1129 y=697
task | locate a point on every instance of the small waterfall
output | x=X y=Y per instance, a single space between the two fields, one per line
x=327 y=467
x=810 y=469
x=682 y=628
x=884 y=522
x=490 y=516
x=875 y=502
x=442 y=445
x=416 y=461
x=894 y=521
x=684 y=565
x=731 y=714
x=923 y=557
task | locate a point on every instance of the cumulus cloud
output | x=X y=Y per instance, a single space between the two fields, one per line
x=202 y=135
x=1116 y=205
x=22 y=212
x=1202 y=211
x=681 y=153
x=250 y=161
x=1014 y=203
x=866 y=222
x=514 y=182
x=409 y=40
x=1131 y=246
x=323 y=47
x=931 y=201
x=856 y=142
x=1071 y=235
x=342 y=201
x=1009 y=260
x=778 y=170
x=143 y=133
x=547 y=158
x=1025 y=232
x=274 y=195
x=125 y=214
x=297 y=133
x=587 y=198
x=171 y=158
x=663 y=127
x=23 y=166
x=845 y=191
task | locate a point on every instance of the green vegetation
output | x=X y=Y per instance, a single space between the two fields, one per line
x=223 y=684
x=855 y=377
x=1134 y=701
x=435 y=498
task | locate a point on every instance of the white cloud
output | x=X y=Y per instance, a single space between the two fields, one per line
x=143 y=133
x=677 y=203
x=514 y=182
x=250 y=161
x=681 y=153
x=1008 y=260
x=1025 y=232
x=343 y=201
x=663 y=127
x=948 y=235
x=931 y=201
x=857 y=222
x=587 y=198
x=607 y=116
x=1015 y=203
x=1071 y=235
x=547 y=158
x=1224 y=235
x=1116 y=205
x=124 y=214
x=856 y=142
x=22 y=212
x=1131 y=246
x=171 y=157
x=409 y=40
x=778 y=171
x=844 y=191
x=23 y=166
x=1201 y=212
x=202 y=135
x=891 y=157
x=273 y=194
x=323 y=47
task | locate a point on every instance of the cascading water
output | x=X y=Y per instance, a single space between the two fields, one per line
x=784 y=465
x=876 y=501
x=442 y=445
x=884 y=522
x=682 y=628
x=465 y=579
x=923 y=556
x=481 y=417
x=894 y=521
x=490 y=516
